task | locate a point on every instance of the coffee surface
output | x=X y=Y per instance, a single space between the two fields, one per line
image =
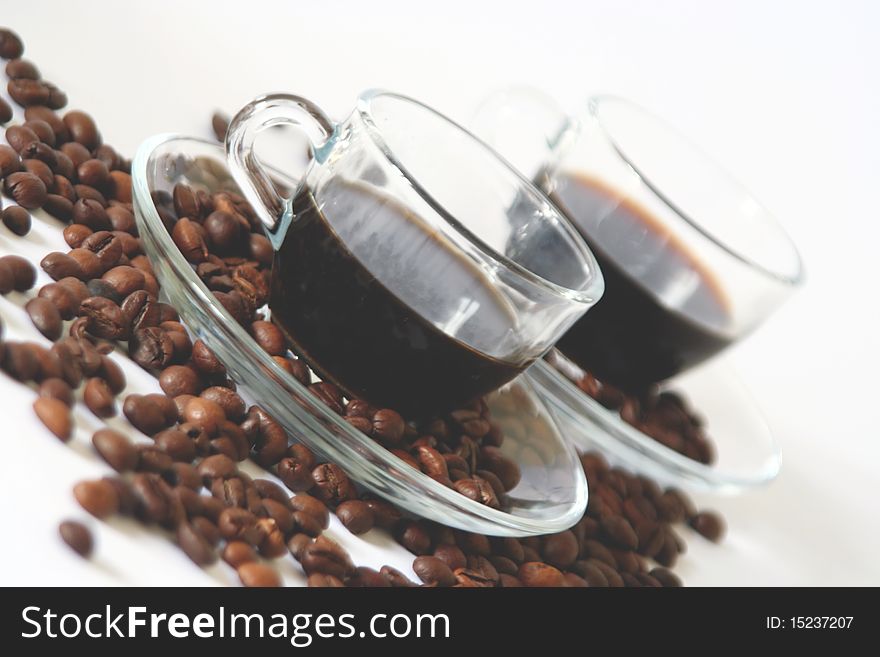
x=384 y=307
x=662 y=310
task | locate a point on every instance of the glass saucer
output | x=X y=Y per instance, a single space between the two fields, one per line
x=552 y=493
x=747 y=452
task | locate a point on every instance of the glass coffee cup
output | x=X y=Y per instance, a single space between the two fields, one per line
x=413 y=267
x=691 y=261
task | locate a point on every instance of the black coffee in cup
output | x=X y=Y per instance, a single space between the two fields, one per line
x=662 y=310
x=358 y=259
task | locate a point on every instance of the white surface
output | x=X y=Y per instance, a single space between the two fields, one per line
x=784 y=93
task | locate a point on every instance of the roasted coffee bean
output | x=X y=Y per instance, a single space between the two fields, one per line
x=330 y=395
x=11 y=46
x=186 y=202
x=59 y=207
x=100 y=288
x=60 y=265
x=451 y=555
x=332 y=485
x=97 y=497
x=10 y=162
x=62 y=298
x=91 y=213
x=413 y=536
x=620 y=532
x=388 y=425
x=88 y=261
x=112 y=374
x=236 y=523
x=7 y=279
x=258 y=575
x=19 y=137
x=39 y=168
x=320 y=580
x=55 y=388
x=119 y=186
x=230 y=402
x=188 y=238
x=560 y=550
x=176 y=444
x=77 y=536
x=195 y=545
x=45 y=317
x=205 y=361
x=280 y=513
x=385 y=515
x=122 y=219
x=17 y=220
x=179 y=380
x=82 y=129
x=306 y=504
x=93 y=173
x=433 y=571
x=217 y=466
x=155 y=500
x=709 y=525
x=269 y=337
x=5 y=112
x=466 y=578
x=151 y=458
x=42 y=130
x=356 y=516
x=223 y=232
x=237 y=553
x=22 y=68
x=204 y=413
x=324 y=555
x=35 y=152
x=219 y=124
x=433 y=464
x=395 y=578
x=146 y=413
x=62 y=186
x=55 y=415
x=98 y=398
x=27 y=189
x=117 y=450
x=105 y=320
x=150 y=347
x=538 y=574
x=124 y=279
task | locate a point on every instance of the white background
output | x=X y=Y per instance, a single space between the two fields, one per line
x=784 y=93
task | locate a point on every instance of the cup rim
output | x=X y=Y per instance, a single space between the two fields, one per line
x=587 y=295
x=793 y=279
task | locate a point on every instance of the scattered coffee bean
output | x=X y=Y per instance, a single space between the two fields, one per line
x=356 y=516
x=82 y=129
x=17 y=220
x=55 y=414
x=434 y=571
x=98 y=398
x=77 y=536
x=98 y=497
x=709 y=525
x=258 y=575
x=45 y=317
x=26 y=188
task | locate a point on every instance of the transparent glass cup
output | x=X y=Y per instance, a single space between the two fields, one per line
x=414 y=268
x=691 y=261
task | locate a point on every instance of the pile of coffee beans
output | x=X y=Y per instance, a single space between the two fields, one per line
x=662 y=415
x=184 y=477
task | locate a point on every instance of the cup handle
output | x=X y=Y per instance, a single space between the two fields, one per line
x=523 y=124
x=265 y=112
